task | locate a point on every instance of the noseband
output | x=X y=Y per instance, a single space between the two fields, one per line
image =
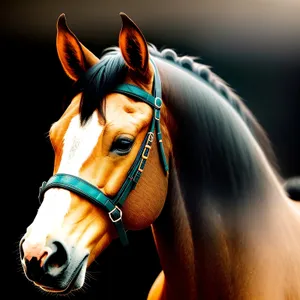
x=92 y=193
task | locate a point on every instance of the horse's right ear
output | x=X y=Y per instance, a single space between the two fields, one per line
x=74 y=57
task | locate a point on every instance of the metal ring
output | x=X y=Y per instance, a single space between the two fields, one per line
x=159 y=104
x=110 y=214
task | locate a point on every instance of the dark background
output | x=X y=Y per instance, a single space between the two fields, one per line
x=252 y=45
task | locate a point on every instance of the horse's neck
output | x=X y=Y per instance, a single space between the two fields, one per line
x=216 y=254
x=173 y=239
x=227 y=224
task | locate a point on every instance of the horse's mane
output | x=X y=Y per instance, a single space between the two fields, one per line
x=205 y=73
x=111 y=70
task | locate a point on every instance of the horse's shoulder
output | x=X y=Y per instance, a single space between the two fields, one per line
x=157 y=291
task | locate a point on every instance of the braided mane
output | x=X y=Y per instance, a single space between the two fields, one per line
x=204 y=72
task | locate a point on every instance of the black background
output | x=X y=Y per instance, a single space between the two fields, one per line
x=253 y=46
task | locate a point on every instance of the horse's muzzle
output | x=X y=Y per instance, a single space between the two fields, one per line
x=59 y=270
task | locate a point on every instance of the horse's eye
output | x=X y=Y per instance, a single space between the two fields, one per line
x=121 y=146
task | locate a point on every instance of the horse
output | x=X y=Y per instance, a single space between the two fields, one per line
x=151 y=139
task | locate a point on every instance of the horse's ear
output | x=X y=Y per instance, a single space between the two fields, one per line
x=133 y=46
x=74 y=57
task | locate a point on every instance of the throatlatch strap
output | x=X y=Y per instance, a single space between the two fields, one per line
x=91 y=192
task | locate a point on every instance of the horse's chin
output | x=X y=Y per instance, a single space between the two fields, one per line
x=74 y=282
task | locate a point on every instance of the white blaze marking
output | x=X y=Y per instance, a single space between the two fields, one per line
x=79 y=143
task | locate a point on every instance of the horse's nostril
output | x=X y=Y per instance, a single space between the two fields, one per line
x=33 y=269
x=57 y=259
x=52 y=260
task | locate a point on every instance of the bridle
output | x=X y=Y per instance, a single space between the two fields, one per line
x=91 y=192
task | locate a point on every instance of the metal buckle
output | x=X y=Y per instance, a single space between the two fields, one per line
x=145 y=156
x=141 y=168
x=110 y=214
x=148 y=145
x=150 y=137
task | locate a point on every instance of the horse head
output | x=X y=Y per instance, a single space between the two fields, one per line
x=100 y=154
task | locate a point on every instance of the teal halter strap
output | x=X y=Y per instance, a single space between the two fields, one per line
x=113 y=205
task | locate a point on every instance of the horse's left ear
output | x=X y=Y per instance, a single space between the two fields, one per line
x=73 y=55
x=133 y=46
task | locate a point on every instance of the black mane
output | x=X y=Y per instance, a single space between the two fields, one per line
x=204 y=73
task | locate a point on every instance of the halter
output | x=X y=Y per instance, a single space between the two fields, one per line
x=91 y=192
